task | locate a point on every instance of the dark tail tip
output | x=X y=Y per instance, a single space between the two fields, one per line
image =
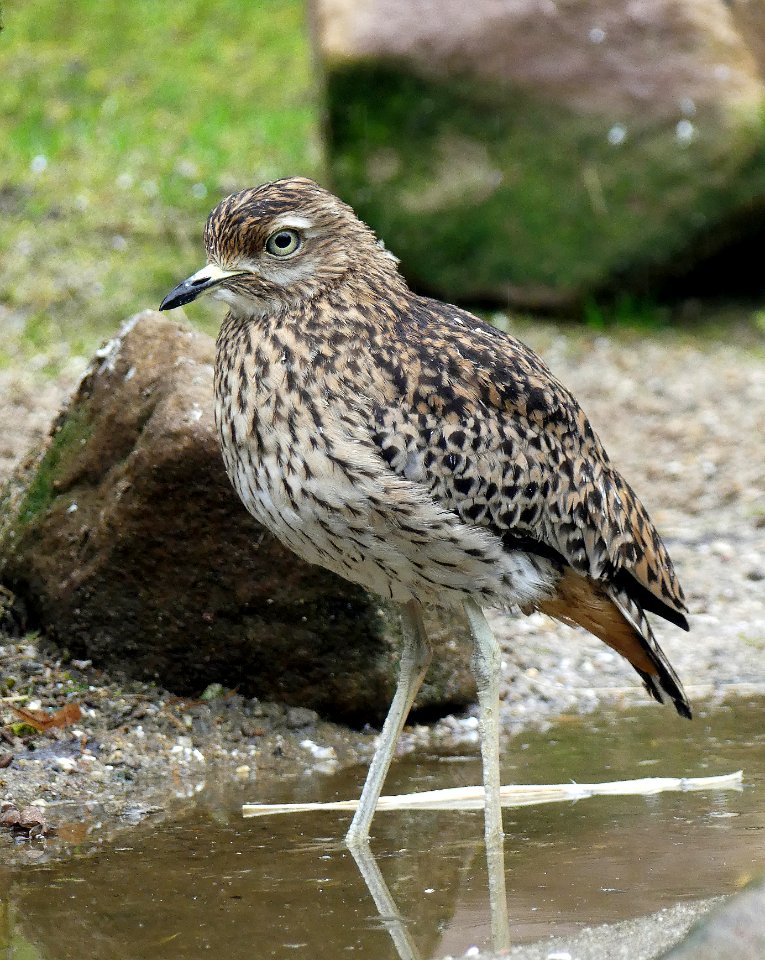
x=649 y=601
x=660 y=687
x=684 y=709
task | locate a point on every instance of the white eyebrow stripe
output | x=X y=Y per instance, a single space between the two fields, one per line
x=294 y=223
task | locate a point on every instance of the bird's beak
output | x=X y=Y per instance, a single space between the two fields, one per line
x=192 y=286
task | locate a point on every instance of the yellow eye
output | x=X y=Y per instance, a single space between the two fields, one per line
x=283 y=243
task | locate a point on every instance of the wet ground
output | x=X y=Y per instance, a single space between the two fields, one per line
x=285 y=887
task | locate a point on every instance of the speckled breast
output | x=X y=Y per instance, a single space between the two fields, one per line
x=300 y=454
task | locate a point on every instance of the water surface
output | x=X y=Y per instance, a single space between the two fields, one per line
x=285 y=887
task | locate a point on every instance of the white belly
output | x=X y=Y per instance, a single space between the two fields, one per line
x=372 y=527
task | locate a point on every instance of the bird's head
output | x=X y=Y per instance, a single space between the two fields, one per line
x=278 y=244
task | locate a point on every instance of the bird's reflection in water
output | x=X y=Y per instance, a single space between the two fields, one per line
x=387 y=910
x=396 y=925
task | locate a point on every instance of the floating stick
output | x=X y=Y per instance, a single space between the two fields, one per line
x=520 y=795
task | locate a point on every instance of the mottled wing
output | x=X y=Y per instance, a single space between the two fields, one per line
x=494 y=437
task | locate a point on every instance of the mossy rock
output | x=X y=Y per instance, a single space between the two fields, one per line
x=489 y=187
x=127 y=545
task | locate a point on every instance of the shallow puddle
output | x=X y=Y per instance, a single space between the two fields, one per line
x=285 y=887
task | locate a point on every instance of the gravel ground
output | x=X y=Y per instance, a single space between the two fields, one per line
x=683 y=421
x=645 y=938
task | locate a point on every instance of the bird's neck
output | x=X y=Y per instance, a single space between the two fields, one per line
x=378 y=294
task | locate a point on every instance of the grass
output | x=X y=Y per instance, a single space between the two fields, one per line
x=626 y=312
x=124 y=124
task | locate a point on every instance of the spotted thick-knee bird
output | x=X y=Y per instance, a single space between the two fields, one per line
x=410 y=447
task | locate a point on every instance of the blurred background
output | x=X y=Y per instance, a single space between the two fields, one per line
x=594 y=160
x=124 y=123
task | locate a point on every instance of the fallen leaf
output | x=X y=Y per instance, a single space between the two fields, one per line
x=43 y=721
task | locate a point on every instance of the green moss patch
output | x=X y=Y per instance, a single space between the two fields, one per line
x=478 y=189
x=65 y=446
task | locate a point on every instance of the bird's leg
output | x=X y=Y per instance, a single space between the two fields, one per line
x=486 y=668
x=415 y=657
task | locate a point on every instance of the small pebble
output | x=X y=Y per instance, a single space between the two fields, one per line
x=9 y=817
x=298 y=717
x=317 y=752
x=31 y=817
x=67 y=764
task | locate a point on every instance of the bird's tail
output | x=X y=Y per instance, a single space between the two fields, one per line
x=619 y=621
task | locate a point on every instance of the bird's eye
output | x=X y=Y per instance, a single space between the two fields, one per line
x=283 y=243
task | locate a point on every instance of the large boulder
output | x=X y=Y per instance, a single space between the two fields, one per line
x=543 y=151
x=129 y=546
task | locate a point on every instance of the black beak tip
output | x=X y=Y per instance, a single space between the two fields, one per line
x=183 y=293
